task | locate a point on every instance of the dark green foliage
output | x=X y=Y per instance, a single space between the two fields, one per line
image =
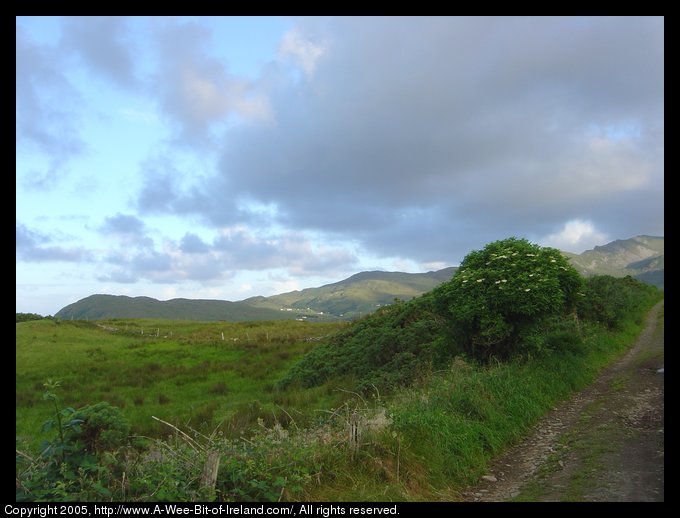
x=90 y=459
x=565 y=336
x=25 y=317
x=72 y=463
x=468 y=414
x=610 y=301
x=388 y=348
x=503 y=294
x=103 y=428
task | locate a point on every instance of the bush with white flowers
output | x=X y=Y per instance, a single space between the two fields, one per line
x=502 y=293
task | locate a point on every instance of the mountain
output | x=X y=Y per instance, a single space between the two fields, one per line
x=641 y=257
x=359 y=294
x=97 y=307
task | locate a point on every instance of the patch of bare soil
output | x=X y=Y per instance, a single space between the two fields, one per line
x=604 y=444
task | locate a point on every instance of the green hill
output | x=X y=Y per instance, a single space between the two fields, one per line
x=97 y=307
x=357 y=295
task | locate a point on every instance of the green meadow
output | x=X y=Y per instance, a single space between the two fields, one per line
x=205 y=375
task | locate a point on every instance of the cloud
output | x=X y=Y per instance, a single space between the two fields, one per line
x=130 y=230
x=123 y=224
x=104 y=45
x=302 y=51
x=46 y=108
x=192 y=244
x=235 y=249
x=30 y=247
x=195 y=90
x=427 y=137
x=243 y=249
x=119 y=276
x=576 y=236
x=168 y=189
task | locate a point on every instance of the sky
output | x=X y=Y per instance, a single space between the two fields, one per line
x=223 y=158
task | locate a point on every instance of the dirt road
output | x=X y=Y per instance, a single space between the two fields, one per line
x=604 y=444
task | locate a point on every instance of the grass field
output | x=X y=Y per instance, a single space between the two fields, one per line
x=182 y=372
x=424 y=442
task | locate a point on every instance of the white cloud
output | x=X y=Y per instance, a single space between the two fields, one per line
x=47 y=109
x=576 y=236
x=194 y=89
x=301 y=51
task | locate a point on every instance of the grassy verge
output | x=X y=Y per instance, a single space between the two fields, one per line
x=445 y=431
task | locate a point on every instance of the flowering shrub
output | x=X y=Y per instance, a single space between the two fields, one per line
x=502 y=293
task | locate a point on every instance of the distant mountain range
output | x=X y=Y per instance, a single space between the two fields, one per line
x=641 y=257
x=355 y=296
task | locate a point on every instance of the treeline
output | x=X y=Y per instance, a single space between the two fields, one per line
x=25 y=317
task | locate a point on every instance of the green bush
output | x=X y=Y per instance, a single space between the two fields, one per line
x=103 y=428
x=26 y=317
x=565 y=335
x=71 y=466
x=611 y=301
x=501 y=296
x=386 y=349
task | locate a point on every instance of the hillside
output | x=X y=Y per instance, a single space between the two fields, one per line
x=97 y=307
x=641 y=257
x=359 y=294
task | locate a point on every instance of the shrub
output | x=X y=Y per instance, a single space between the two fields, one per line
x=25 y=317
x=103 y=428
x=387 y=349
x=610 y=301
x=71 y=464
x=502 y=293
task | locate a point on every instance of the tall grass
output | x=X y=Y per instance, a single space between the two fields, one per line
x=187 y=374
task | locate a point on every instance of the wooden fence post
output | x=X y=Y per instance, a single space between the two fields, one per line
x=354 y=433
x=210 y=469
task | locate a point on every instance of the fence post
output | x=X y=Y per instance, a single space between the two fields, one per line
x=354 y=433
x=210 y=469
